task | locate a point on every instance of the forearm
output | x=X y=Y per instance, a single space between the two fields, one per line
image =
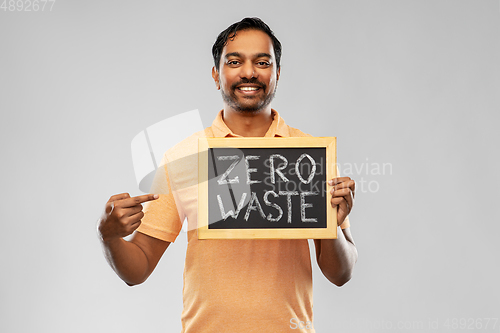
x=337 y=258
x=127 y=260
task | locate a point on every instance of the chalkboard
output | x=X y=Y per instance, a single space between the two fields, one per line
x=266 y=188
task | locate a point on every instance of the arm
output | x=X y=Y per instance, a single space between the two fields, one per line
x=134 y=260
x=336 y=257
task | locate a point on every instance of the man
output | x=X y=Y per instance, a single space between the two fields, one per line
x=230 y=285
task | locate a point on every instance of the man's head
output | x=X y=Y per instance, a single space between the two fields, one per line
x=247 y=69
x=245 y=24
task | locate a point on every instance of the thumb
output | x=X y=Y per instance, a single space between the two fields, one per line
x=110 y=206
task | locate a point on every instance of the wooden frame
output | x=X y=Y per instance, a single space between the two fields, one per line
x=204 y=144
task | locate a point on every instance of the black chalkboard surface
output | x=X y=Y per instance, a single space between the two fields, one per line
x=253 y=188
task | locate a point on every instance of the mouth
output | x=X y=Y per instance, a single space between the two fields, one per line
x=248 y=89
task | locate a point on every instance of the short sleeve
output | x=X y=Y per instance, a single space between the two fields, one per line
x=162 y=219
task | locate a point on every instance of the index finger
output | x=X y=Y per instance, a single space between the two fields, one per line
x=347 y=184
x=338 y=180
x=134 y=201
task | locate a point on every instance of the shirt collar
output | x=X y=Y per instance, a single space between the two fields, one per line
x=278 y=127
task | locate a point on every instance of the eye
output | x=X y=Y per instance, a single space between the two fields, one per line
x=233 y=62
x=263 y=63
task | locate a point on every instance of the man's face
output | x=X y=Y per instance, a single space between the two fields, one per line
x=247 y=75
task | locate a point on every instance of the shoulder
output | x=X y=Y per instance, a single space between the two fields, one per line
x=188 y=146
x=182 y=160
x=294 y=132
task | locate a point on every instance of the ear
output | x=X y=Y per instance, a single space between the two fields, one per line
x=215 y=75
x=278 y=74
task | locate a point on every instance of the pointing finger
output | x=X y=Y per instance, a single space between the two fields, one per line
x=130 y=202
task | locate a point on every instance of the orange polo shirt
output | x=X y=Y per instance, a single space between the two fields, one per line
x=233 y=286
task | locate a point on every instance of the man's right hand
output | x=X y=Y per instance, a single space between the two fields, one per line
x=122 y=215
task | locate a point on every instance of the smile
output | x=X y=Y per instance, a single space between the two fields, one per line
x=248 y=88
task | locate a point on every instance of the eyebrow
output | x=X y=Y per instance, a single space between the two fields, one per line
x=258 y=55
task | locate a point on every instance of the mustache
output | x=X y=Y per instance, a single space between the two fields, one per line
x=251 y=81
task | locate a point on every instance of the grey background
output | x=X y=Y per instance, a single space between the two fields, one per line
x=411 y=83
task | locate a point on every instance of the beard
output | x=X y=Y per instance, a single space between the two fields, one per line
x=258 y=104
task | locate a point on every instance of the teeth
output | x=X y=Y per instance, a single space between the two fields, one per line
x=248 y=88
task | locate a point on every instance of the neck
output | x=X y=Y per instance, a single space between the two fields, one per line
x=248 y=124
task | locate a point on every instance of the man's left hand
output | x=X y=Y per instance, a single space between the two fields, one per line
x=342 y=196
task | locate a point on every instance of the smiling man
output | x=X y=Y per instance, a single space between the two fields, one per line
x=247 y=79
x=230 y=285
x=247 y=73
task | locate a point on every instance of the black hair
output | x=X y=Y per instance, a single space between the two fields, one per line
x=248 y=23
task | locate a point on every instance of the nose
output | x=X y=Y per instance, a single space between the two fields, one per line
x=248 y=70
